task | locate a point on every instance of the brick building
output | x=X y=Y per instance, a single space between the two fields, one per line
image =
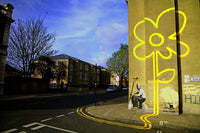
x=78 y=73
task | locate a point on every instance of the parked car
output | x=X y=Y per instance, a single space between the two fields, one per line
x=125 y=88
x=111 y=88
x=119 y=88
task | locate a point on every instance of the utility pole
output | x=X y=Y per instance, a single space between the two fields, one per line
x=178 y=57
x=95 y=102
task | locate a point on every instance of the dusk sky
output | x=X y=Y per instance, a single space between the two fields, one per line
x=90 y=30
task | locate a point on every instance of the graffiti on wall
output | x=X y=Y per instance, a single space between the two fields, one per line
x=192 y=99
x=170 y=97
x=191 y=94
x=156 y=55
x=187 y=79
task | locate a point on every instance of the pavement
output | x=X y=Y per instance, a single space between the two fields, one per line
x=117 y=110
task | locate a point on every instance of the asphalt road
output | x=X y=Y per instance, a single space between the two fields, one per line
x=56 y=115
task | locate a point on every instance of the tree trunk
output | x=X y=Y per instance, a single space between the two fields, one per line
x=120 y=80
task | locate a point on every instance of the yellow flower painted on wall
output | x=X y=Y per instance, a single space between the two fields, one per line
x=158 y=46
x=159 y=35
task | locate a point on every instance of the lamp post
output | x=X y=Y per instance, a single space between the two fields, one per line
x=95 y=85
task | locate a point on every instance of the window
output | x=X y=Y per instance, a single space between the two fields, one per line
x=97 y=78
x=71 y=67
x=80 y=75
x=81 y=67
x=97 y=70
x=86 y=67
x=54 y=84
x=86 y=76
x=56 y=63
x=1 y=66
x=70 y=78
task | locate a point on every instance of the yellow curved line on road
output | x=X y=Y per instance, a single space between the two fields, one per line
x=79 y=110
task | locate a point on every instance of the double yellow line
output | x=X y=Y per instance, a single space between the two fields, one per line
x=79 y=110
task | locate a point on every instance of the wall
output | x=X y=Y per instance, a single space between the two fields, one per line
x=113 y=79
x=65 y=80
x=5 y=20
x=104 y=78
x=191 y=64
x=20 y=85
x=136 y=67
x=153 y=54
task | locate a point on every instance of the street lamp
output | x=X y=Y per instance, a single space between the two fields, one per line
x=95 y=85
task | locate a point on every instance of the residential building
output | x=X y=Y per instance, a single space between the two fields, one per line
x=104 y=77
x=78 y=73
x=113 y=79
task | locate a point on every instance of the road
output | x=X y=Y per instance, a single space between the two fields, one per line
x=56 y=115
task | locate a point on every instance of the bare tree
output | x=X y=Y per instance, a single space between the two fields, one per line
x=28 y=40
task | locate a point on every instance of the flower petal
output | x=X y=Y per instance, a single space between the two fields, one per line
x=170 y=53
x=140 y=40
x=169 y=70
x=134 y=31
x=173 y=36
x=187 y=47
x=162 y=13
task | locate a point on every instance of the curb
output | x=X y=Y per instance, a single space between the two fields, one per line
x=134 y=122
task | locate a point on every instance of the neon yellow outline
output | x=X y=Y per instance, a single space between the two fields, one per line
x=159 y=35
x=155 y=55
x=141 y=41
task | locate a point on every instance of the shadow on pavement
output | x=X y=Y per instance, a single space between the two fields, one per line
x=58 y=102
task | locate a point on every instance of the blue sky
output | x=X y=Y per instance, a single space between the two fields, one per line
x=90 y=30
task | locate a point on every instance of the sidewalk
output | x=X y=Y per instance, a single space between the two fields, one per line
x=117 y=110
x=45 y=95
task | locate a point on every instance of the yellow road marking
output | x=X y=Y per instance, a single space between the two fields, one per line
x=81 y=113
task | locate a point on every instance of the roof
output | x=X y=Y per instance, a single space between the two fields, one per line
x=101 y=67
x=63 y=56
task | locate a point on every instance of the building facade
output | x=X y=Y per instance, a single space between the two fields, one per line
x=164 y=51
x=5 y=22
x=104 y=77
x=78 y=73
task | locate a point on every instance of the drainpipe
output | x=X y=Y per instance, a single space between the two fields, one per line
x=178 y=57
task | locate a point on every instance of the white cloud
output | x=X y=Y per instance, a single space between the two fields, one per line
x=78 y=21
x=100 y=59
x=90 y=30
x=110 y=34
